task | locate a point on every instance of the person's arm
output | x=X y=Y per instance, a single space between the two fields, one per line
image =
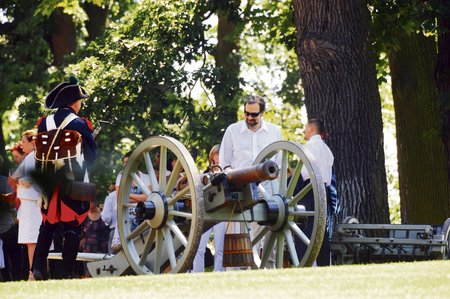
x=226 y=149
x=142 y=197
x=13 y=182
x=89 y=145
x=138 y=197
x=304 y=171
x=107 y=210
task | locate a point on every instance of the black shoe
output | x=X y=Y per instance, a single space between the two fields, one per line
x=38 y=275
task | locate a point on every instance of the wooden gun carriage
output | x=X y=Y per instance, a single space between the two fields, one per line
x=356 y=243
x=171 y=223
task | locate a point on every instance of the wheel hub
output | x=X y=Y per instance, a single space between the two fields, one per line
x=277 y=212
x=154 y=210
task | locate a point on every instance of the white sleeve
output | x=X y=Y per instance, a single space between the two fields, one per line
x=304 y=172
x=279 y=135
x=119 y=177
x=20 y=170
x=226 y=149
x=107 y=210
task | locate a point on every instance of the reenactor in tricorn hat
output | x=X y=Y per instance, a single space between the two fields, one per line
x=57 y=165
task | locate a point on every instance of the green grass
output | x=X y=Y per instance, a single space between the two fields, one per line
x=397 y=280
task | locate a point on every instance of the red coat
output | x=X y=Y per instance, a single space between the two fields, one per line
x=64 y=209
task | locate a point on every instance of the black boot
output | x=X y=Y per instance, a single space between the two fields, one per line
x=41 y=252
x=70 y=250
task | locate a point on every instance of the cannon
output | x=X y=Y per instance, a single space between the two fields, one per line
x=171 y=223
x=353 y=242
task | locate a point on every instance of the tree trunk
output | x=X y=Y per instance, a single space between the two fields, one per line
x=96 y=23
x=62 y=39
x=442 y=76
x=227 y=64
x=339 y=81
x=423 y=184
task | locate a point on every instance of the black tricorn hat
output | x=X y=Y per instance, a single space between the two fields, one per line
x=65 y=94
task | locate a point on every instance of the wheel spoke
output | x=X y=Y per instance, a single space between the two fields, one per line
x=169 y=246
x=259 y=234
x=267 y=248
x=178 y=196
x=294 y=179
x=283 y=173
x=300 y=195
x=139 y=230
x=181 y=214
x=140 y=183
x=151 y=171
x=178 y=233
x=162 y=168
x=158 y=249
x=294 y=227
x=280 y=250
x=165 y=241
x=274 y=185
x=291 y=247
x=264 y=192
x=173 y=178
x=147 y=247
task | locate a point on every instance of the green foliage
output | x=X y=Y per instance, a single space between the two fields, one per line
x=137 y=76
x=411 y=16
x=272 y=26
x=24 y=59
x=141 y=73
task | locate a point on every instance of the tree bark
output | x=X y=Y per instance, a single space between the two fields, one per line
x=96 y=23
x=63 y=38
x=442 y=77
x=227 y=64
x=423 y=184
x=339 y=81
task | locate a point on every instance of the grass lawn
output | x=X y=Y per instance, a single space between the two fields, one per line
x=397 y=280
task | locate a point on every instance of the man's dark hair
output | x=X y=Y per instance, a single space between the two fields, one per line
x=252 y=99
x=127 y=155
x=319 y=126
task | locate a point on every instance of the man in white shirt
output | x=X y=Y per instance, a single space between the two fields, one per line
x=314 y=134
x=245 y=139
x=109 y=212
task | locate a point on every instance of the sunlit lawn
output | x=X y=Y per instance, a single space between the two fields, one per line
x=398 y=280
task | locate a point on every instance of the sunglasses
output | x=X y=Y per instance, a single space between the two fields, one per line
x=253 y=114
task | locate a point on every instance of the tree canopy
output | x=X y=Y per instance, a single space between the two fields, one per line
x=182 y=68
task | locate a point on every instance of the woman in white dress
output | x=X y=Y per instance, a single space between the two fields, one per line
x=29 y=214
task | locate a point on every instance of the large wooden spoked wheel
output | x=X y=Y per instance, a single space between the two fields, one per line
x=167 y=240
x=286 y=210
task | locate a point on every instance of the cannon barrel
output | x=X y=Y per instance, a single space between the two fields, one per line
x=267 y=170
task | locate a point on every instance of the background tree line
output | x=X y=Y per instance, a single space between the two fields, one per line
x=181 y=69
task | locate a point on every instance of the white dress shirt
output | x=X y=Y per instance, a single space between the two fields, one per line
x=323 y=156
x=240 y=145
x=109 y=212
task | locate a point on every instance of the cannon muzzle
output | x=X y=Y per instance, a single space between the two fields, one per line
x=268 y=170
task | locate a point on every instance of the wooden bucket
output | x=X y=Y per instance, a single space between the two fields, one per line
x=237 y=250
